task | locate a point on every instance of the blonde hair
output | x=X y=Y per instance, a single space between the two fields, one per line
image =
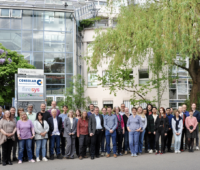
x=23 y=113
x=70 y=111
x=142 y=114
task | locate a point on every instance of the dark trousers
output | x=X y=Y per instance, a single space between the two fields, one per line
x=95 y=143
x=182 y=137
x=6 y=150
x=160 y=132
x=146 y=140
x=33 y=147
x=119 y=142
x=168 y=140
x=103 y=145
x=151 y=138
x=83 y=142
x=14 y=148
x=63 y=144
x=77 y=146
x=0 y=153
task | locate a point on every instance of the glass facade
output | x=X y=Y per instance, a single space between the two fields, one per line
x=45 y=38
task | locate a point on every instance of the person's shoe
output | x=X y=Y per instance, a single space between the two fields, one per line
x=125 y=153
x=182 y=150
x=197 y=148
x=132 y=154
x=135 y=155
x=44 y=159
x=85 y=156
x=4 y=164
x=10 y=163
x=102 y=154
x=170 y=150
x=108 y=155
x=38 y=159
x=161 y=153
x=80 y=157
x=31 y=161
x=52 y=157
x=115 y=156
x=19 y=162
x=59 y=156
x=120 y=154
x=92 y=157
x=175 y=151
x=151 y=151
x=97 y=156
x=15 y=159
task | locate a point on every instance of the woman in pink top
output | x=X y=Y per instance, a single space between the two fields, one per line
x=191 y=124
x=120 y=130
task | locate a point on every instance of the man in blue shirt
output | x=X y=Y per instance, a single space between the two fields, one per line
x=91 y=110
x=110 y=124
x=168 y=138
x=197 y=115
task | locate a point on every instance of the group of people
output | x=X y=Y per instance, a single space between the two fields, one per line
x=72 y=133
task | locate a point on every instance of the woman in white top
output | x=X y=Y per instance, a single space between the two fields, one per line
x=142 y=131
x=70 y=126
x=41 y=135
x=177 y=126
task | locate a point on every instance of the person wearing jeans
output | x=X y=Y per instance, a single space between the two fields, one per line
x=25 y=133
x=41 y=135
x=177 y=127
x=55 y=127
x=134 y=125
x=142 y=131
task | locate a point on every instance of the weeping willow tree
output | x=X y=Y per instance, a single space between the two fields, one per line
x=165 y=33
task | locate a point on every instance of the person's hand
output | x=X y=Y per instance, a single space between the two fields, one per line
x=138 y=130
x=165 y=134
x=111 y=131
x=19 y=138
x=91 y=134
x=78 y=136
x=169 y=128
x=123 y=131
x=72 y=133
x=129 y=130
x=149 y=132
x=141 y=130
x=32 y=137
x=154 y=133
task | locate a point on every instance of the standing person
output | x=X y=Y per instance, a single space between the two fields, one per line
x=15 y=142
x=186 y=113
x=134 y=125
x=177 y=126
x=95 y=131
x=143 y=129
x=78 y=116
x=53 y=106
x=82 y=134
x=197 y=115
x=161 y=129
x=120 y=130
x=25 y=134
x=151 y=120
x=7 y=136
x=1 y=116
x=55 y=128
x=41 y=135
x=182 y=115
x=103 y=138
x=145 y=111
x=19 y=111
x=91 y=110
x=45 y=114
x=63 y=141
x=126 y=135
x=168 y=138
x=191 y=124
x=149 y=109
x=122 y=112
x=31 y=116
x=110 y=124
x=70 y=127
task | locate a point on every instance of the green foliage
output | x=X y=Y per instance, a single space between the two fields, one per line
x=75 y=95
x=85 y=23
x=7 y=74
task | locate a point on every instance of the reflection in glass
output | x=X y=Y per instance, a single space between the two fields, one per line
x=54 y=21
x=37 y=41
x=69 y=24
x=182 y=88
x=38 y=20
x=16 y=13
x=4 y=23
x=28 y=57
x=55 y=79
x=54 y=36
x=69 y=42
x=54 y=47
x=15 y=23
x=11 y=39
x=55 y=89
x=172 y=94
x=38 y=60
x=69 y=64
x=54 y=68
x=68 y=80
x=27 y=16
x=54 y=57
x=27 y=40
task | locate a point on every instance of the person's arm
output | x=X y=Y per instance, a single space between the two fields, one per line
x=115 y=124
x=141 y=125
x=128 y=124
x=18 y=128
x=195 y=124
x=156 y=124
x=47 y=128
x=78 y=130
x=187 y=123
x=145 y=124
x=75 y=129
x=36 y=128
x=181 y=126
x=167 y=125
x=105 y=123
x=198 y=119
x=173 y=126
x=32 y=129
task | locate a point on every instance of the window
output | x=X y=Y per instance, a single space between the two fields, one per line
x=95 y=103
x=143 y=77
x=105 y=73
x=92 y=79
x=103 y=3
x=5 y=13
x=108 y=103
x=16 y=13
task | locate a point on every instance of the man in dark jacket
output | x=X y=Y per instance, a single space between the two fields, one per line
x=95 y=132
x=197 y=115
x=55 y=127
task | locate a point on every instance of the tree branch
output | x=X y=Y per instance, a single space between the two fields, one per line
x=181 y=66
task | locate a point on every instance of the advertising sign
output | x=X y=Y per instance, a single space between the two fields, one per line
x=30 y=82
x=30 y=71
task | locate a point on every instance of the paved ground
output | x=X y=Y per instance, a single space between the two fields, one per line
x=168 y=161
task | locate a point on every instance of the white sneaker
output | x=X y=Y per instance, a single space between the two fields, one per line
x=44 y=159
x=135 y=155
x=125 y=153
x=178 y=151
x=20 y=162
x=32 y=161
x=151 y=151
x=37 y=159
x=197 y=148
x=132 y=154
x=102 y=154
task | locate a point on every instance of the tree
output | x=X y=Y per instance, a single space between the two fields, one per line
x=164 y=32
x=74 y=96
x=10 y=61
